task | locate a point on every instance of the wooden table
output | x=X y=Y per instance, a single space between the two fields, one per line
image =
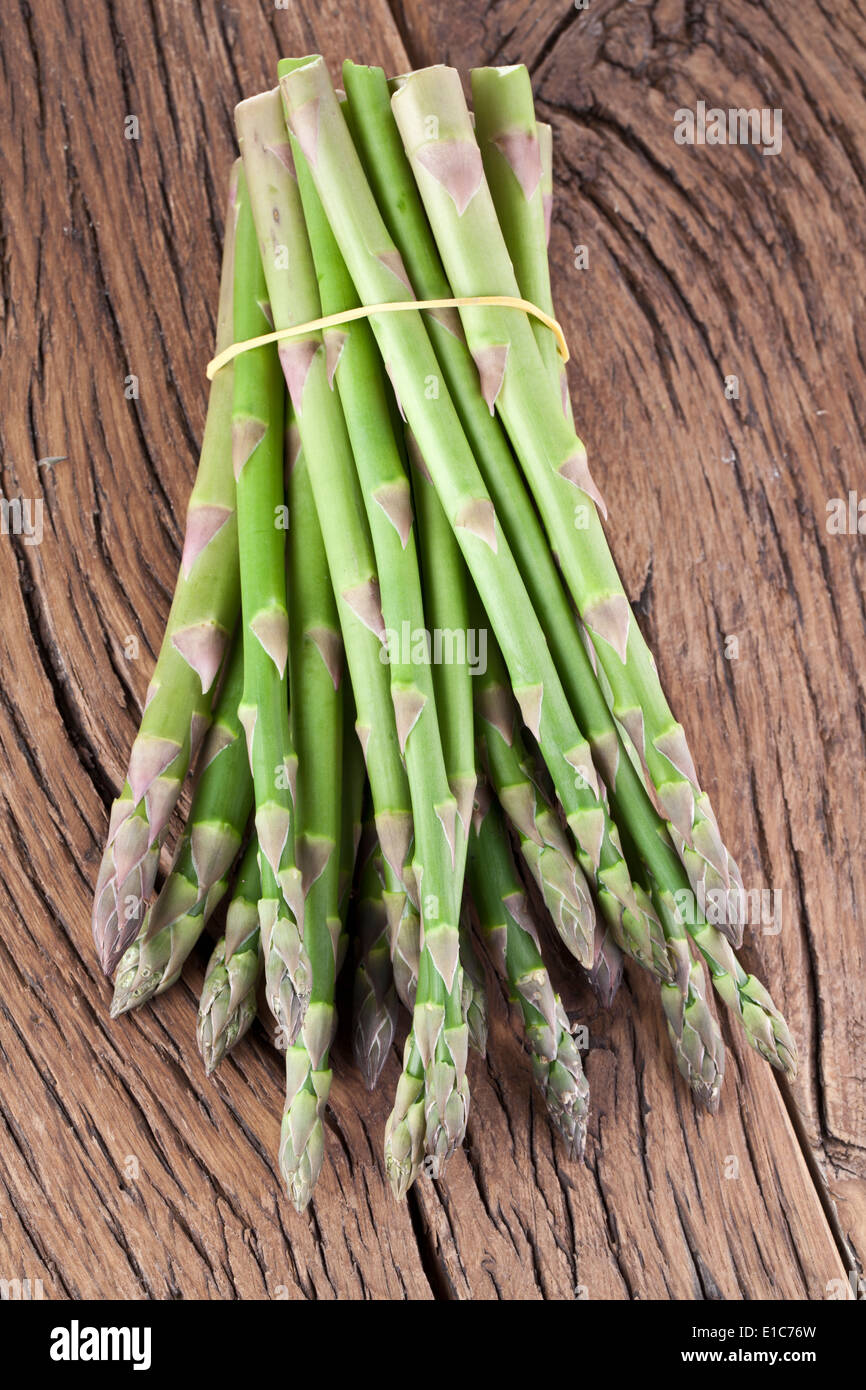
x=123 y=1171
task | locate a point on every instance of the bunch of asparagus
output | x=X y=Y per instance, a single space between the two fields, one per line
x=374 y=492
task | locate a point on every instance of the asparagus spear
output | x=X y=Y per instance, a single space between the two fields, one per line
x=178 y=705
x=199 y=879
x=314 y=113
x=446 y=603
x=404 y=935
x=374 y=999
x=257 y=446
x=543 y=844
x=406 y=1126
x=227 y=1006
x=293 y=300
x=524 y=209
x=605 y=974
x=440 y=831
x=514 y=153
x=448 y=169
x=507 y=925
x=316 y=664
x=545 y=150
x=353 y=784
x=398 y=197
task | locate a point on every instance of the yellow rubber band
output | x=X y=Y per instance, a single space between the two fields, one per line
x=502 y=301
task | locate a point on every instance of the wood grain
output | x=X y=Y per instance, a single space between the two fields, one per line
x=123 y=1172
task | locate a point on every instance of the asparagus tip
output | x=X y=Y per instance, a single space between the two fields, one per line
x=575 y=1142
x=212 y=1057
x=373 y=1034
x=300 y=1191
x=133 y=985
x=371 y=1069
x=120 y=1004
x=401 y=1177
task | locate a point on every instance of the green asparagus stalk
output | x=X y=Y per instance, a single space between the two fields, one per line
x=446 y=605
x=406 y=1126
x=440 y=834
x=199 y=879
x=316 y=668
x=257 y=444
x=545 y=151
x=353 y=784
x=543 y=844
x=398 y=197
x=227 y=1006
x=404 y=935
x=352 y=819
x=294 y=300
x=517 y=163
x=744 y=994
x=507 y=925
x=369 y=252
x=514 y=153
x=691 y=1024
x=374 y=999
x=436 y=129
x=519 y=217
x=178 y=705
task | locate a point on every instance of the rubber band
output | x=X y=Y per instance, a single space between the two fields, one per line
x=502 y=301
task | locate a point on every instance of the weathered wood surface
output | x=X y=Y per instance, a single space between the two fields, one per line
x=122 y=1170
